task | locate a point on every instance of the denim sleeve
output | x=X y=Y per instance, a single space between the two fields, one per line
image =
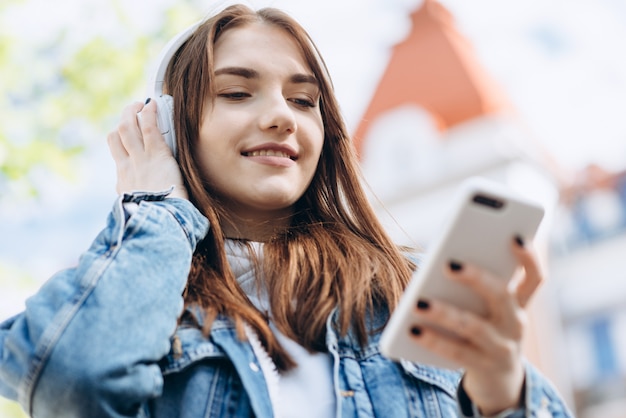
x=88 y=342
x=541 y=400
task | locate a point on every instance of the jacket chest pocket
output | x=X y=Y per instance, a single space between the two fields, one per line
x=431 y=391
x=199 y=381
x=372 y=385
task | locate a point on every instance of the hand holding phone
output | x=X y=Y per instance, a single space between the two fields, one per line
x=484 y=220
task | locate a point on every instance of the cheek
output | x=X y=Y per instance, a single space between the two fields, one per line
x=315 y=128
x=209 y=161
x=207 y=156
x=318 y=153
x=314 y=162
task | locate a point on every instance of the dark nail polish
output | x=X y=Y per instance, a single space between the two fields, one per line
x=416 y=331
x=148 y=100
x=519 y=240
x=455 y=266
x=423 y=304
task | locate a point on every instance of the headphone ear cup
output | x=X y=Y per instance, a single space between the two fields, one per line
x=165 y=120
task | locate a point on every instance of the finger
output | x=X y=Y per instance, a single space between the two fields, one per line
x=120 y=156
x=118 y=152
x=493 y=290
x=129 y=131
x=453 y=349
x=152 y=137
x=533 y=276
x=457 y=322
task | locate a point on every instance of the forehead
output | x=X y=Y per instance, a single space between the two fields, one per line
x=259 y=43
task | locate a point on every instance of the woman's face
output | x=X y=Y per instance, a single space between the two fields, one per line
x=261 y=138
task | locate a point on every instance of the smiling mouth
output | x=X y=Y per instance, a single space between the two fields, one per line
x=268 y=153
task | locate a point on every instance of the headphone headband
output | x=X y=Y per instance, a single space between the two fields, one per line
x=155 y=84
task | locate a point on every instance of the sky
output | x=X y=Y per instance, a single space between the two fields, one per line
x=561 y=63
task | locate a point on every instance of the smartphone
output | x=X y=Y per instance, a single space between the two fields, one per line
x=483 y=221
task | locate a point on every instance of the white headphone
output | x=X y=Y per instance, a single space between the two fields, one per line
x=165 y=102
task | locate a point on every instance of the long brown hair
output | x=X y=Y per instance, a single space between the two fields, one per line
x=335 y=255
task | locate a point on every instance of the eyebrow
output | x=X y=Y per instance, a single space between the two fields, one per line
x=304 y=78
x=250 y=73
x=239 y=71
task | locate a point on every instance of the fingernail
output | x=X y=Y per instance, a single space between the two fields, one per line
x=455 y=266
x=148 y=100
x=423 y=304
x=416 y=331
x=519 y=240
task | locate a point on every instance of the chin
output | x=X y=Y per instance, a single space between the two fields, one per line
x=276 y=204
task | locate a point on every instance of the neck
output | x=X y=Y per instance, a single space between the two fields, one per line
x=259 y=227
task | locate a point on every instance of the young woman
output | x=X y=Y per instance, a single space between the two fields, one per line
x=249 y=276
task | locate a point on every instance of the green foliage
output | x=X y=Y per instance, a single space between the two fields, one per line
x=17 y=161
x=9 y=409
x=14 y=278
x=51 y=90
x=101 y=77
x=6 y=3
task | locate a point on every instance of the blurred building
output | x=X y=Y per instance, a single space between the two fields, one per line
x=437 y=117
x=588 y=252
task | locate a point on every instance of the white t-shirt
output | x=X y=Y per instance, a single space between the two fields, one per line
x=307 y=390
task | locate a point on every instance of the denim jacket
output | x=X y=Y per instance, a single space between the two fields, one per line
x=102 y=340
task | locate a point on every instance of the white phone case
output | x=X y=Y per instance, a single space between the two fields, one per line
x=485 y=218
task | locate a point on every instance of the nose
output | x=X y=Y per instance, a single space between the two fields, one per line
x=278 y=115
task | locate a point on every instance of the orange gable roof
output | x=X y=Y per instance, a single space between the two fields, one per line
x=436 y=69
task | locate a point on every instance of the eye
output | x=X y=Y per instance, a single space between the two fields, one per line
x=303 y=102
x=236 y=95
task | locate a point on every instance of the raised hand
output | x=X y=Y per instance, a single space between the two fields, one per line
x=144 y=161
